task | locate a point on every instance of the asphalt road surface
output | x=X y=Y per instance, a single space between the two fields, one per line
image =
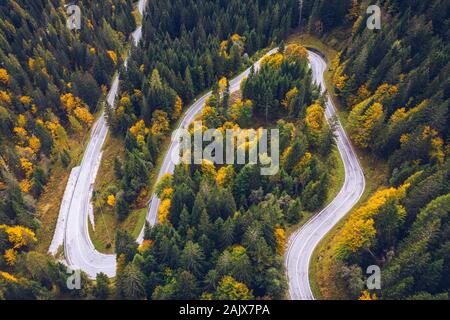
x=302 y=243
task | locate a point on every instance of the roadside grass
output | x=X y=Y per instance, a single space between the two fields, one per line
x=323 y=282
x=48 y=204
x=137 y=15
x=337 y=176
x=106 y=182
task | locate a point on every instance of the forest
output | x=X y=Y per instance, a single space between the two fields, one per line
x=208 y=244
x=394 y=85
x=52 y=82
x=223 y=229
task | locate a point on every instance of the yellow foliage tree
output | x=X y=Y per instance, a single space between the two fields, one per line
x=5 y=97
x=31 y=63
x=83 y=114
x=113 y=56
x=363 y=120
x=208 y=169
x=21 y=133
x=239 y=108
x=398 y=115
x=26 y=100
x=236 y=37
x=178 y=108
x=230 y=289
x=35 y=144
x=223 y=82
x=163 y=211
x=339 y=77
x=70 y=102
x=25 y=185
x=315 y=116
x=160 y=122
x=111 y=200
x=286 y=102
x=225 y=176
x=19 y=236
x=145 y=245
x=21 y=120
x=27 y=167
x=139 y=129
x=295 y=52
x=10 y=257
x=359 y=230
x=280 y=235
x=357 y=24
x=274 y=60
x=4 y=76
x=164 y=183
x=166 y=193
x=363 y=92
x=367 y=296
x=8 y=277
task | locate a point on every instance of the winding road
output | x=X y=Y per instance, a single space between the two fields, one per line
x=303 y=242
x=72 y=230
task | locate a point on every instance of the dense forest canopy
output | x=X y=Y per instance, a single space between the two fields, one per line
x=222 y=229
x=52 y=80
x=394 y=83
x=218 y=224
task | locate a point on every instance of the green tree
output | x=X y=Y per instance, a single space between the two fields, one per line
x=101 y=290
x=230 y=289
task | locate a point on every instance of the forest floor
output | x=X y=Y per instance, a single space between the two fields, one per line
x=323 y=280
